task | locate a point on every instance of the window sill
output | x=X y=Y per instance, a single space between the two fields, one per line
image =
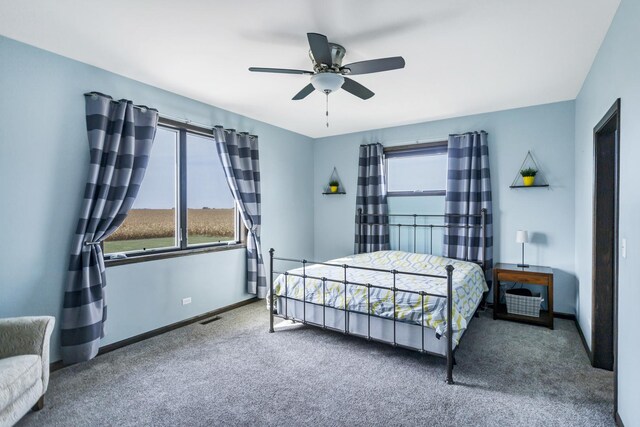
x=134 y=259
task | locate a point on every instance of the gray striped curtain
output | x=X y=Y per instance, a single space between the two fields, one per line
x=239 y=155
x=468 y=191
x=120 y=140
x=372 y=234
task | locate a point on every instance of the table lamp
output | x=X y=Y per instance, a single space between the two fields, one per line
x=522 y=236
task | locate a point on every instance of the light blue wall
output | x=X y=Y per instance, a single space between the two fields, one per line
x=614 y=74
x=43 y=167
x=546 y=130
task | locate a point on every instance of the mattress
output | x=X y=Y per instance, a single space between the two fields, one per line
x=468 y=287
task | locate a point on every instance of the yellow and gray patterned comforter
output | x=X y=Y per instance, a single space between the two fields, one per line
x=468 y=286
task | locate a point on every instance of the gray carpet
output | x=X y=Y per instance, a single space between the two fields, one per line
x=232 y=372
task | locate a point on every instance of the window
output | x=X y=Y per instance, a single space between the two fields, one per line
x=417 y=170
x=210 y=214
x=184 y=201
x=420 y=171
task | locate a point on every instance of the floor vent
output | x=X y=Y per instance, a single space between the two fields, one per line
x=213 y=319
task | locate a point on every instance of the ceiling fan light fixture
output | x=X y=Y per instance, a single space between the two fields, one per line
x=328 y=72
x=327 y=82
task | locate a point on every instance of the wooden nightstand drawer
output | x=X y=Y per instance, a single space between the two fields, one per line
x=522 y=277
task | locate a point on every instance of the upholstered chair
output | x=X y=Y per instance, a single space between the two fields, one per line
x=24 y=365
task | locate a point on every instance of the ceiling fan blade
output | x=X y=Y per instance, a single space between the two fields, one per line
x=304 y=92
x=279 y=70
x=375 y=65
x=320 y=48
x=356 y=89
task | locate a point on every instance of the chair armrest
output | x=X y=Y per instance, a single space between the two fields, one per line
x=27 y=335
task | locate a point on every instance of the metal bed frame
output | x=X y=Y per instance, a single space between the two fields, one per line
x=361 y=221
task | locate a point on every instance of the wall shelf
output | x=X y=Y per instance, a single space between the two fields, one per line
x=529 y=186
x=540 y=180
x=334 y=177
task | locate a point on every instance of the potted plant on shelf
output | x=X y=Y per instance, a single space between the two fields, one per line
x=528 y=176
x=333 y=186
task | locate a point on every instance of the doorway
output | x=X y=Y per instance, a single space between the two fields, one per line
x=604 y=327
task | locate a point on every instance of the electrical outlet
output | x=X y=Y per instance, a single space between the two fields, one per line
x=186 y=301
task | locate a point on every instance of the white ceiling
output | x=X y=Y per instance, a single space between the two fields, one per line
x=463 y=56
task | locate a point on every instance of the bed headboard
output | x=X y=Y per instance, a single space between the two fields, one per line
x=412 y=232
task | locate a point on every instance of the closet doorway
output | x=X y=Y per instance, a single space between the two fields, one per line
x=604 y=327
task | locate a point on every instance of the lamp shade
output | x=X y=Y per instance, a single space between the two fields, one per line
x=327 y=82
x=522 y=236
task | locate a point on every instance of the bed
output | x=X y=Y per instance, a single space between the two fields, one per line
x=401 y=298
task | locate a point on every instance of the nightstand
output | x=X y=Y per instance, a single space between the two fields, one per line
x=533 y=275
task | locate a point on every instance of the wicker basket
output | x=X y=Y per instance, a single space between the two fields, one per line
x=523 y=305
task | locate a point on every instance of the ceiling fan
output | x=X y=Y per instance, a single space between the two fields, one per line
x=328 y=73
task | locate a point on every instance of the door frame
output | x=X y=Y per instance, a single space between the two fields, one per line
x=612 y=114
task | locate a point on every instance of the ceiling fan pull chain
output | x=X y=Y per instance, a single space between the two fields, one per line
x=327 y=108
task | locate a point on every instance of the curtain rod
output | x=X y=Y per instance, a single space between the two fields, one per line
x=469 y=133
x=167 y=116
x=186 y=121
x=426 y=141
x=415 y=141
x=96 y=95
x=207 y=127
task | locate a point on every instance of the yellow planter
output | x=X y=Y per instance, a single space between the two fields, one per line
x=528 y=180
x=334 y=188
